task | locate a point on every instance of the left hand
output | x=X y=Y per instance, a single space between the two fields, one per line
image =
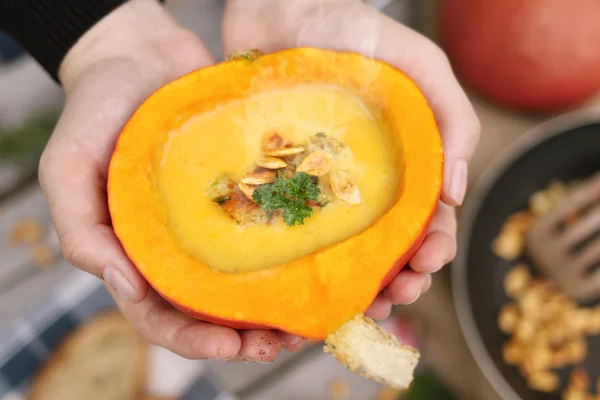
x=106 y=75
x=351 y=25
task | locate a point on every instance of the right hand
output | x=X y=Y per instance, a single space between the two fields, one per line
x=107 y=75
x=352 y=25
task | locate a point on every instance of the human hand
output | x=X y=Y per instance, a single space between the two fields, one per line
x=106 y=76
x=350 y=25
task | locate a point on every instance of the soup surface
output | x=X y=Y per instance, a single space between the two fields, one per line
x=228 y=139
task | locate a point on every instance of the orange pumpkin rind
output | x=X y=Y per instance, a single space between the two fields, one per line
x=318 y=294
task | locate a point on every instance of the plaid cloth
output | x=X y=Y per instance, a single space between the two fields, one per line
x=25 y=347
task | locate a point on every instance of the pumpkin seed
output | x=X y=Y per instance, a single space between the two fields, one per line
x=270 y=162
x=316 y=164
x=345 y=187
x=259 y=176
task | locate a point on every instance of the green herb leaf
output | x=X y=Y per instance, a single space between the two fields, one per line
x=221 y=200
x=301 y=186
x=289 y=196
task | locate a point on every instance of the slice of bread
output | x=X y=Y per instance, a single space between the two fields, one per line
x=364 y=348
x=103 y=359
x=152 y=397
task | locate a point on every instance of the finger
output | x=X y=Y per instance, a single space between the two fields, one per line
x=583 y=195
x=439 y=247
x=459 y=126
x=590 y=284
x=380 y=308
x=405 y=288
x=74 y=165
x=426 y=283
x=587 y=257
x=291 y=342
x=163 y=325
x=77 y=201
x=585 y=228
x=402 y=327
x=259 y=345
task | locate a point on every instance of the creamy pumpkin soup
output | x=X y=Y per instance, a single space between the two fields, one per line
x=265 y=180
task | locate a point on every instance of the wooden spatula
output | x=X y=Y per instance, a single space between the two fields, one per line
x=564 y=244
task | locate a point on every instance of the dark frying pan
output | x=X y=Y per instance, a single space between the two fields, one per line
x=565 y=148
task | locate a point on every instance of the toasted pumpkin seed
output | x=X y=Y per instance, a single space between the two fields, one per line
x=273 y=141
x=248 y=190
x=345 y=187
x=259 y=176
x=316 y=164
x=270 y=162
x=283 y=152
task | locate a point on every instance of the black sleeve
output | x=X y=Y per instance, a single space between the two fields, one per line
x=48 y=29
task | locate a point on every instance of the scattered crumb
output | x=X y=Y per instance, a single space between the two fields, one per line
x=509 y=244
x=543 y=200
x=516 y=280
x=579 y=379
x=508 y=318
x=387 y=393
x=42 y=256
x=29 y=231
x=25 y=231
x=338 y=389
x=544 y=381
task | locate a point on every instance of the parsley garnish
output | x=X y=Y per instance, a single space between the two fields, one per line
x=222 y=200
x=289 y=196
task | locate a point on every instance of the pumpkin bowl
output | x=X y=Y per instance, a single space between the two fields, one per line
x=278 y=190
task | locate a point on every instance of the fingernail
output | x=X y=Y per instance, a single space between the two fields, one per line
x=117 y=281
x=238 y=359
x=438 y=268
x=426 y=283
x=415 y=299
x=458 y=182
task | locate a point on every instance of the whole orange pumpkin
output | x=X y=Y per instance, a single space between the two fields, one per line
x=541 y=55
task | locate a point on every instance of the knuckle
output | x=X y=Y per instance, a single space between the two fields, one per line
x=176 y=337
x=73 y=251
x=473 y=125
x=467 y=136
x=147 y=328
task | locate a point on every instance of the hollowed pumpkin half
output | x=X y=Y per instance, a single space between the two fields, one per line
x=309 y=295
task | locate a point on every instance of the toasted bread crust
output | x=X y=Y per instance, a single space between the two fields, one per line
x=99 y=355
x=343 y=345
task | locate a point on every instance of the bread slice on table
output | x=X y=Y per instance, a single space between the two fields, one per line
x=103 y=359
